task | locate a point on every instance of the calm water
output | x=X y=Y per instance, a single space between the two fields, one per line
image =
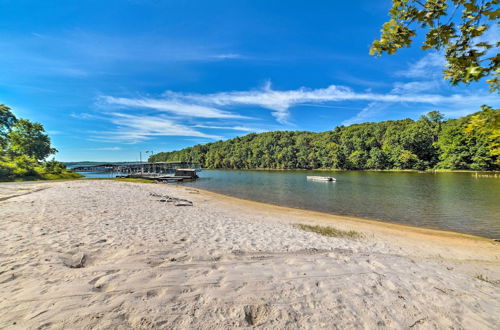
x=99 y=174
x=450 y=201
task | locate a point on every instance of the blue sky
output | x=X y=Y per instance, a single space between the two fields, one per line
x=110 y=79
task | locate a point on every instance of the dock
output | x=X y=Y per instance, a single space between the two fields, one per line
x=160 y=172
x=321 y=178
x=180 y=175
x=158 y=167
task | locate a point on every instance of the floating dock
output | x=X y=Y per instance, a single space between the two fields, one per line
x=321 y=178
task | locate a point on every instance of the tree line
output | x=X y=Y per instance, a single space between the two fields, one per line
x=468 y=143
x=24 y=148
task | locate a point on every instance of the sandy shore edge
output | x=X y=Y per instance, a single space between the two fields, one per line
x=467 y=246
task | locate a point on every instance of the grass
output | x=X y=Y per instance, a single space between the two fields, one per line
x=330 y=231
x=485 y=279
x=61 y=176
x=66 y=175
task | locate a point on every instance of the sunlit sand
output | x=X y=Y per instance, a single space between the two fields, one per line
x=106 y=254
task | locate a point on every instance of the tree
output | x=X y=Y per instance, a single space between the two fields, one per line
x=7 y=119
x=486 y=124
x=468 y=56
x=28 y=138
x=471 y=142
x=377 y=159
x=435 y=117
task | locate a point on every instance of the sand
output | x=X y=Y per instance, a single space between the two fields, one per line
x=97 y=254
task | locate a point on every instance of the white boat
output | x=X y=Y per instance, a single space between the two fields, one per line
x=321 y=178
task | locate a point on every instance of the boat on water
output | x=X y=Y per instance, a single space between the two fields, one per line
x=321 y=178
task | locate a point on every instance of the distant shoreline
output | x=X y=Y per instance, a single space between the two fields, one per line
x=315 y=169
x=340 y=170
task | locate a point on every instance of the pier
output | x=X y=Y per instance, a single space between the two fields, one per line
x=184 y=174
x=161 y=171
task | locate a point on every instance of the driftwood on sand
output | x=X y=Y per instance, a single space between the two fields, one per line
x=169 y=199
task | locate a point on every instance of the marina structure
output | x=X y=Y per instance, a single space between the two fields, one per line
x=160 y=171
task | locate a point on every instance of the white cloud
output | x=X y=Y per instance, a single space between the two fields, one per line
x=430 y=65
x=228 y=56
x=83 y=115
x=416 y=86
x=233 y=128
x=368 y=112
x=170 y=105
x=279 y=102
x=108 y=149
x=186 y=106
x=137 y=128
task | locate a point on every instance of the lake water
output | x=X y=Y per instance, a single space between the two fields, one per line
x=450 y=201
x=99 y=174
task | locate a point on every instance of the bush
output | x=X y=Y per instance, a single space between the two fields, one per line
x=26 y=168
x=53 y=167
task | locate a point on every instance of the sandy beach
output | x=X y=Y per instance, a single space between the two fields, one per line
x=99 y=254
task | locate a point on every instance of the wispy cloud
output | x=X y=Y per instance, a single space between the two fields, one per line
x=81 y=54
x=228 y=56
x=170 y=105
x=280 y=101
x=176 y=113
x=83 y=115
x=232 y=128
x=137 y=128
x=107 y=149
x=430 y=65
x=367 y=113
x=416 y=86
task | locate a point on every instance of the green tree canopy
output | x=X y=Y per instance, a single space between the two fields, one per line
x=29 y=138
x=24 y=146
x=7 y=119
x=456 y=27
x=471 y=142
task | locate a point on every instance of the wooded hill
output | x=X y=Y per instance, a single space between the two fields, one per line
x=467 y=143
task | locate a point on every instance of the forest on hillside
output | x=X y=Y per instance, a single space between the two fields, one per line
x=467 y=143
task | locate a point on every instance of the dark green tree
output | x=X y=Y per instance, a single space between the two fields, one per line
x=29 y=139
x=7 y=119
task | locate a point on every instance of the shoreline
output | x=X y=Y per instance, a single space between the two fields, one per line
x=375 y=222
x=364 y=170
x=399 y=235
